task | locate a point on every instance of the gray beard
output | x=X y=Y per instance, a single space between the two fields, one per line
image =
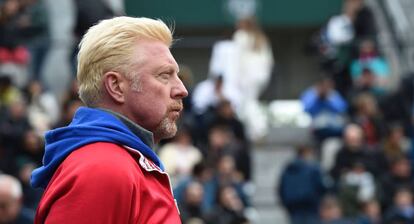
x=166 y=129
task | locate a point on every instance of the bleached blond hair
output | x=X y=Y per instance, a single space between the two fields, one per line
x=108 y=46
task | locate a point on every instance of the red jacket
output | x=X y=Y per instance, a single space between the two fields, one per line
x=108 y=183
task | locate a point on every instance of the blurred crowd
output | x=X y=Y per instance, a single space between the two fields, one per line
x=358 y=169
x=208 y=160
x=26 y=108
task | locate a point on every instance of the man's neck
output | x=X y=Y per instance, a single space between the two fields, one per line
x=146 y=136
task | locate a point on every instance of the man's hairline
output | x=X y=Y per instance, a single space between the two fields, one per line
x=128 y=70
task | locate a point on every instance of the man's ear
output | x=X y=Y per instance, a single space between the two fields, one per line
x=115 y=86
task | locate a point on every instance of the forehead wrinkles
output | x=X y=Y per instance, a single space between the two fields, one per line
x=154 y=55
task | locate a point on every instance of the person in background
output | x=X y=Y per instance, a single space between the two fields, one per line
x=230 y=208
x=180 y=155
x=245 y=62
x=370 y=71
x=371 y=213
x=364 y=22
x=206 y=96
x=327 y=109
x=255 y=58
x=30 y=148
x=220 y=141
x=225 y=173
x=225 y=116
x=8 y=92
x=253 y=65
x=34 y=22
x=187 y=77
x=11 y=198
x=356 y=187
x=43 y=108
x=351 y=152
x=398 y=176
x=339 y=29
x=402 y=210
x=202 y=174
x=302 y=187
x=88 y=13
x=330 y=211
x=396 y=144
x=13 y=125
x=368 y=116
x=191 y=208
x=14 y=55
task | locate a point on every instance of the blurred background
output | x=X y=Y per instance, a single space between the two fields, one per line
x=299 y=111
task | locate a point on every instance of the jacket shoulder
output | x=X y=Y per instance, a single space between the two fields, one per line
x=98 y=182
x=102 y=160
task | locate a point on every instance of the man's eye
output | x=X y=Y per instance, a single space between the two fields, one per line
x=165 y=76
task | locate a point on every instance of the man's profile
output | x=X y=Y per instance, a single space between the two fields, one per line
x=101 y=168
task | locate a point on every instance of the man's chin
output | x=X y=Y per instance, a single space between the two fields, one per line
x=171 y=132
x=167 y=129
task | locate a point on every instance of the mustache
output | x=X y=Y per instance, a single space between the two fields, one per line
x=176 y=106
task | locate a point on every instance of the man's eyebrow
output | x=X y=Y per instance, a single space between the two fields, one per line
x=169 y=68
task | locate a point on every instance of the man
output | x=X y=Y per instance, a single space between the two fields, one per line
x=302 y=187
x=11 y=199
x=326 y=107
x=101 y=168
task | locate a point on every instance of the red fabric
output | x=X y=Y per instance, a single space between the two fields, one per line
x=19 y=55
x=370 y=132
x=105 y=183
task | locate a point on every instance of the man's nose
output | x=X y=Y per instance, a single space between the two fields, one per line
x=179 y=91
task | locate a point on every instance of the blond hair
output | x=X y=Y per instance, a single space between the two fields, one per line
x=108 y=46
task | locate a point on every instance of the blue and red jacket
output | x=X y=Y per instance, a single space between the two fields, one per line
x=97 y=171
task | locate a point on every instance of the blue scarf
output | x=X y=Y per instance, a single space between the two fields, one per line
x=88 y=126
